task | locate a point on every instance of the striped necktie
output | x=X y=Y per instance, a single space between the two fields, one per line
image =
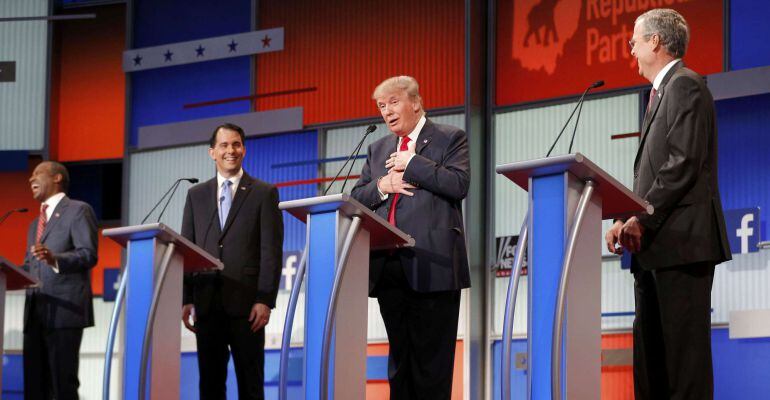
x=41 y=222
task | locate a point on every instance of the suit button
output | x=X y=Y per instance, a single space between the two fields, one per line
x=221 y=246
x=636 y=175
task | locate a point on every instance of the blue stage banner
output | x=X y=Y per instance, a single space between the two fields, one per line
x=743 y=229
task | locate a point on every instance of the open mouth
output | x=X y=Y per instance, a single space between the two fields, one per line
x=393 y=122
x=35 y=186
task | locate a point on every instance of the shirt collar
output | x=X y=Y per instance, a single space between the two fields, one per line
x=234 y=179
x=662 y=74
x=52 y=202
x=416 y=132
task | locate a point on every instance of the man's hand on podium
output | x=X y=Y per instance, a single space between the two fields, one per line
x=188 y=310
x=259 y=316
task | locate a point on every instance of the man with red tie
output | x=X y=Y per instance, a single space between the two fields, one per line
x=417 y=179
x=62 y=249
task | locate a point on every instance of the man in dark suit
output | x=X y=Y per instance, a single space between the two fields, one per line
x=235 y=218
x=676 y=248
x=62 y=249
x=417 y=179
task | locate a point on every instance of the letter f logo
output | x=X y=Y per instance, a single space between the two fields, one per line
x=745 y=232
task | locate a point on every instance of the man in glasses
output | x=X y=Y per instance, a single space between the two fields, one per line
x=676 y=248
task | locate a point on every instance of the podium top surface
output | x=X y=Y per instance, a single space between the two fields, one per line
x=15 y=277
x=617 y=200
x=195 y=258
x=383 y=234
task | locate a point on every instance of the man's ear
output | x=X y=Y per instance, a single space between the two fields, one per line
x=211 y=154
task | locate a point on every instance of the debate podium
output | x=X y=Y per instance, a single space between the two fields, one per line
x=568 y=197
x=341 y=232
x=12 y=277
x=157 y=258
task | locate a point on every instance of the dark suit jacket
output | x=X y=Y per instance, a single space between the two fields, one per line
x=676 y=171
x=250 y=246
x=433 y=216
x=64 y=299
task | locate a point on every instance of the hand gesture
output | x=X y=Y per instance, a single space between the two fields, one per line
x=393 y=182
x=398 y=160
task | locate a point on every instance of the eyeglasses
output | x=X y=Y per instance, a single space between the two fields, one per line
x=632 y=42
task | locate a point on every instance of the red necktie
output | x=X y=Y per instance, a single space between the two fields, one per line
x=41 y=223
x=392 y=212
x=653 y=94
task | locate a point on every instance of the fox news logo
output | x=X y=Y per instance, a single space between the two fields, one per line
x=743 y=229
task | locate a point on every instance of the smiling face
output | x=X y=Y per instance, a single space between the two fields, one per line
x=400 y=112
x=44 y=183
x=228 y=152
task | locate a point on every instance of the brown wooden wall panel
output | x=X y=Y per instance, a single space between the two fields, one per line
x=345 y=48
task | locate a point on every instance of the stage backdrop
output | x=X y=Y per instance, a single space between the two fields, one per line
x=542 y=45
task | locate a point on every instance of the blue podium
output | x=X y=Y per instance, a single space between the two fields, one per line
x=11 y=278
x=568 y=198
x=157 y=258
x=340 y=234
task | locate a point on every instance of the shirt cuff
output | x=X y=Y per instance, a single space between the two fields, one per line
x=383 y=196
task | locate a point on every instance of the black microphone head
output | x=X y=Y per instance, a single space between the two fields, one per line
x=597 y=84
x=22 y=210
x=192 y=180
x=370 y=129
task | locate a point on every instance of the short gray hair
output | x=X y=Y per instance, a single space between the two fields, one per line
x=670 y=26
x=403 y=82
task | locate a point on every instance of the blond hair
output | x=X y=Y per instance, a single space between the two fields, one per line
x=399 y=83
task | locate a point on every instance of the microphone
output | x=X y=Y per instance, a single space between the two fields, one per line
x=172 y=188
x=8 y=213
x=369 y=129
x=579 y=104
x=176 y=186
x=577 y=119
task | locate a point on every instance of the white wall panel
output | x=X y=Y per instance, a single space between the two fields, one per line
x=23 y=102
x=741 y=284
x=153 y=172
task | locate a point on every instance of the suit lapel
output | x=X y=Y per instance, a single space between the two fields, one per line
x=211 y=193
x=241 y=192
x=55 y=217
x=654 y=107
x=425 y=137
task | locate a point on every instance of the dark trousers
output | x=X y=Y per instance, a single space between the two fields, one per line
x=672 y=333
x=422 y=331
x=218 y=336
x=51 y=358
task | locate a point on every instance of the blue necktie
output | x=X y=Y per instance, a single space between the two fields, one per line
x=225 y=201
